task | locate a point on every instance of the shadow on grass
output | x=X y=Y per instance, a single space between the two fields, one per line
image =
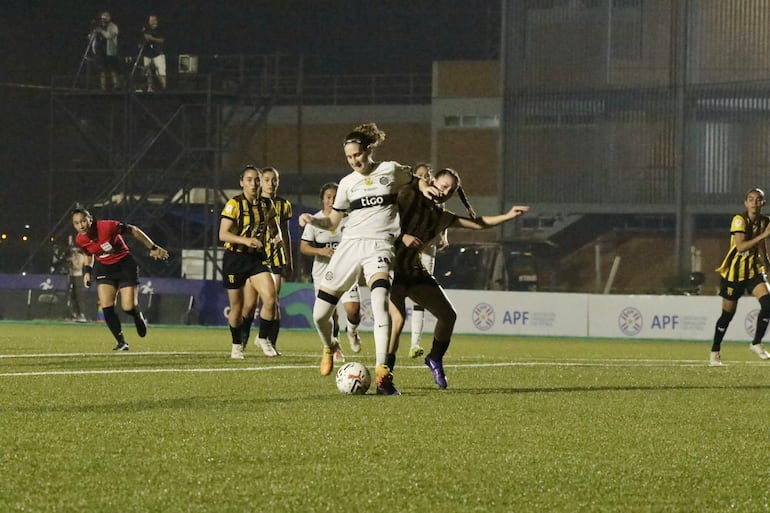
x=181 y=404
x=590 y=388
x=247 y=404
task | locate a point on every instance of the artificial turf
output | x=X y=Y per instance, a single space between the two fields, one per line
x=527 y=424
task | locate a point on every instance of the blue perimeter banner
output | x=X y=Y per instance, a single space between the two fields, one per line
x=208 y=298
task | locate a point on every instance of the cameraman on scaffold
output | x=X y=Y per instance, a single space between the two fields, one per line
x=153 y=56
x=104 y=39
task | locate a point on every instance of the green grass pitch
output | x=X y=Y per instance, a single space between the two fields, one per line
x=527 y=424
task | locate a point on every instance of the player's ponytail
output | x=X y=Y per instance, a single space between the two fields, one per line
x=460 y=191
x=464 y=199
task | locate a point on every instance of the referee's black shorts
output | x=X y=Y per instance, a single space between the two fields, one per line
x=123 y=273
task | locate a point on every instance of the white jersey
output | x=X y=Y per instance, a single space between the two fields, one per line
x=321 y=238
x=370 y=201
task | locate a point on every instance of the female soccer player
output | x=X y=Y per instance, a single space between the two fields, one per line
x=246 y=223
x=424 y=171
x=278 y=253
x=422 y=221
x=368 y=194
x=110 y=264
x=320 y=244
x=744 y=269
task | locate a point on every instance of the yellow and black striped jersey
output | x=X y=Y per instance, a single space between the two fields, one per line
x=739 y=266
x=249 y=220
x=277 y=255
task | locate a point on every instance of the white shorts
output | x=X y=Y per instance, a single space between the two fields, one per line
x=429 y=261
x=350 y=296
x=159 y=63
x=355 y=257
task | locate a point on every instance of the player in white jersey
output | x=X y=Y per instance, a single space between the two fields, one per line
x=368 y=194
x=320 y=244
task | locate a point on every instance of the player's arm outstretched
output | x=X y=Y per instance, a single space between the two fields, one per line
x=482 y=222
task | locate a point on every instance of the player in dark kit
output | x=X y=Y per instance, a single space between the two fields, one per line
x=422 y=221
x=110 y=264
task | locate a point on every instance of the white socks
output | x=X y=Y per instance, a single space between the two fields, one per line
x=379 y=297
x=418 y=320
x=322 y=317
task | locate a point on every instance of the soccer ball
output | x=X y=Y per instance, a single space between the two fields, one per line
x=353 y=379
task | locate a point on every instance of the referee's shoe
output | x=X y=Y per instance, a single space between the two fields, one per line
x=141 y=324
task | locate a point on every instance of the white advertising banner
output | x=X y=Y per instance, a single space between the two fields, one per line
x=588 y=315
x=507 y=313
x=520 y=313
x=667 y=317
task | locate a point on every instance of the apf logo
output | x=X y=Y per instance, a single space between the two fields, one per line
x=367 y=317
x=483 y=316
x=630 y=321
x=750 y=322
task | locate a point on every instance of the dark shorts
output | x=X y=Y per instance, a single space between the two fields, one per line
x=733 y=290
x=406 y=281
x=237 y=268
x=105 y=63
x=120 y=274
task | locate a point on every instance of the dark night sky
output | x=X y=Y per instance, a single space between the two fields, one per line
x=343 y=34
x=41 y=38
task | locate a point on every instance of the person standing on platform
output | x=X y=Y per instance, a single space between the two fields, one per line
x=152 y=53
x=105 y=49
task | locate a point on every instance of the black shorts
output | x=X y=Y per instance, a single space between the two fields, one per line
x=237 y=268
x=733 y=290
x=120 y=274
x=105 y=63
x=410 y=280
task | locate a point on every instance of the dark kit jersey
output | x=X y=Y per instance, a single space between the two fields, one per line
x=151 y=48
x=422 y=218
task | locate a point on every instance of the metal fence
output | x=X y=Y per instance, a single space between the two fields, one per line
x=636 y=106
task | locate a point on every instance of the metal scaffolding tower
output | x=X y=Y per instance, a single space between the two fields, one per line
x=136 y=156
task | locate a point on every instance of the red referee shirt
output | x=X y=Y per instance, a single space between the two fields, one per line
x=104 y=241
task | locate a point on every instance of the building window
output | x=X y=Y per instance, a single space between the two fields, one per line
x=471 y=121
x=452 y=121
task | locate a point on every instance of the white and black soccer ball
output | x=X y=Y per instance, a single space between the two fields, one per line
x=353 y=378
